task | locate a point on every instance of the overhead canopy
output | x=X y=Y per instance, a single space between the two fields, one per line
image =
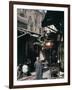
x=54 y=18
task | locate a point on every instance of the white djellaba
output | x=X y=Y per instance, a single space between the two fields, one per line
x=41 y=56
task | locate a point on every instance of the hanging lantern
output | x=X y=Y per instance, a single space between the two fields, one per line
x=48 y=44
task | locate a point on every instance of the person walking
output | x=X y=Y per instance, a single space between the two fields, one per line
x=38 y=68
